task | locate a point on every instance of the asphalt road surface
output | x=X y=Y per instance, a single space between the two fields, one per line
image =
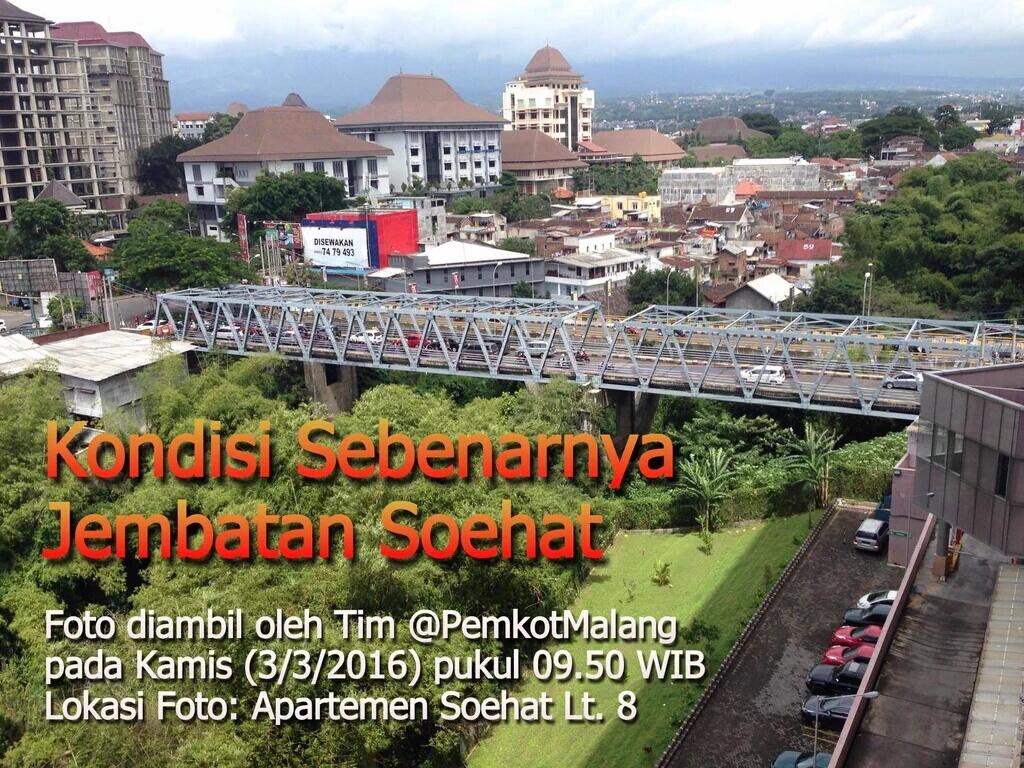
x=755 y=713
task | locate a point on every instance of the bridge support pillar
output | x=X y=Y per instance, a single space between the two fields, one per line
x=333 y=385
x=634 y=412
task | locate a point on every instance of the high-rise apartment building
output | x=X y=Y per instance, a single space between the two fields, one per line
x=126 y=81
x=549 y=97
x=48 y=129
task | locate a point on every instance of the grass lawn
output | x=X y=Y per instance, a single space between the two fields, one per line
x=721 y=590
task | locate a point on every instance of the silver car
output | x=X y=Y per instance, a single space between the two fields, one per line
x=903 y=380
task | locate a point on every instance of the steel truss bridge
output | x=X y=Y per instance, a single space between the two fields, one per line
x=833 y=363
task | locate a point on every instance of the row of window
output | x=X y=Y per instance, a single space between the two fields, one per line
x=946 y=451
x=444 y=275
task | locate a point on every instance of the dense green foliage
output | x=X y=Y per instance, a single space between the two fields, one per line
x=284 y=197
x=765 y=122
x=617 y=179
x=159 y=170
x=219 y=126
x=157 y=255
x=952 y=241
x=793 y=140
x=45 y=229
x=511 y=204
x=647 y=287
x=901 y=121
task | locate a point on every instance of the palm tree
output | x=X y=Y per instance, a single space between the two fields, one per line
x=810 y=458
x=705 y=481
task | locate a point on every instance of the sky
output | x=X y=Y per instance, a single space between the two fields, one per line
x=338 y=52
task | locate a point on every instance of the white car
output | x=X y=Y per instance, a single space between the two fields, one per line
x=227 y=333
x=3 y=327
x=884 y=597
x=372 y=336
x=764 y=374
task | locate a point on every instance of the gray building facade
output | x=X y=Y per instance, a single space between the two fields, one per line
x=969 y=457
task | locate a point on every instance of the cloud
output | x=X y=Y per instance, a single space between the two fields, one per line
x=585 y=30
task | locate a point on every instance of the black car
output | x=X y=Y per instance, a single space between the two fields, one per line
x=861 y=617
x=829 y=680
x=831 y=712
x=794 y=759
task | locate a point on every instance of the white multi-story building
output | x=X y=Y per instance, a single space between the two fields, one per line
x=438 y=140
x=285 y=139
x=549 y=97
x=717 y=185
x=192 y=125
x=594 y=274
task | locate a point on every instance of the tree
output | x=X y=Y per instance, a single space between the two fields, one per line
x=705 y=481
x=159 y=170
x=900 y=121
x=64 y=309
x=220 y=125
x=284 y=197
x=946 y=116
x=299 y=273
x=647 y=287
x=523 y=290
x=998 y=115
x=959 y=136
x=69 y=254
x=519 y=245
x=34 y=221
x=155 y=257
x=619 y=179
x=810 y=458
x=170 y=212
x=765 y=122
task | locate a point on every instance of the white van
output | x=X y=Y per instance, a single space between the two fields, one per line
x=764 y=374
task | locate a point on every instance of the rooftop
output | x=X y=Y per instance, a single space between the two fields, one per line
x=459 y=252
x=92 y=33
x=283 y=133
x=54 y=190
x=813 y=249
x=11 y=12
x=19 y=354
x=99 y=356
x=646 y=142
x=417 y=100
x=774 y=288
x=546 y=61
x=524 y=150
x=726 y=128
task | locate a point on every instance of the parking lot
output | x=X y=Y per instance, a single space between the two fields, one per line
x=755 y=713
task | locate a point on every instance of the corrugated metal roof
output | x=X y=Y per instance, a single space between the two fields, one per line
x=99 y=356
x=19 y=354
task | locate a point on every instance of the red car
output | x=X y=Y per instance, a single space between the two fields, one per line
x=851 y=636
x=840 y=654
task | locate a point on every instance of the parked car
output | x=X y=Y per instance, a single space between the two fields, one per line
x=24 y=328
x=3 y=327
x=794 y=759
x=850 y=635
x=837 y=655
x=883 y=597
x=883 y=509
x=903 y=380
x=827 y=680
x=872 y=536
x=859 y=617
x=830 y=712
x=372 y=336
x=765 y=374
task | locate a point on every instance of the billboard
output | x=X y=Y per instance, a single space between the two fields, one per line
x=243 y=236
x=25 y=276
x=336 y=247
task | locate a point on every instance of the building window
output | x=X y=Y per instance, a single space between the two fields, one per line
x=200 y=191
x=511 y=270
x=462 y=165
x=415 y=167
x=371 y=166
x=477 y=164
x=427 y=273
x=338 y=167
x=491 y=163
x=197 y=173
x=447 y=150
x=938 y=456
x=479 y=273
x=447 y=166
x=1002 y=475
x=414 y=151
x=956 y=452
x=318 y=166
x=298 y=167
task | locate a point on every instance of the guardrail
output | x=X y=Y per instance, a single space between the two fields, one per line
x=741 y=642
x=853 y=720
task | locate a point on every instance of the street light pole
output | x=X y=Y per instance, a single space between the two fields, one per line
x=668 y=274
x=865 y=302
x=821 y=701
x=494 y=279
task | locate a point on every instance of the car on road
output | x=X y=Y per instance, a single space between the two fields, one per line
x=794 y=759
x=371 y=336
x=903 y=380
x=24 y=328
x=830 y=712
x=828 y=680
x=413 y=340
x=872 y=535
x=3 y=327
x=859 y=617
x=837 y=655
x=764 y=374
x=851 y=635
x=885 y=596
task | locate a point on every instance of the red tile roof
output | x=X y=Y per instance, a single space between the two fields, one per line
x=416 y=100
x=646 y=142
x=805 y=250
x=89 y=32
x=548 y=61
x=283 y=133
x=525 y=150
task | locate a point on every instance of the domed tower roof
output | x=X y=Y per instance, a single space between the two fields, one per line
x=548 y=61
x=294 y=100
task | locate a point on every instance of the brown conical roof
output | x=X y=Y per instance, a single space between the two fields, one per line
x=416 y=99
x=294 y=100
x=548 y=60
x=11 y=12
